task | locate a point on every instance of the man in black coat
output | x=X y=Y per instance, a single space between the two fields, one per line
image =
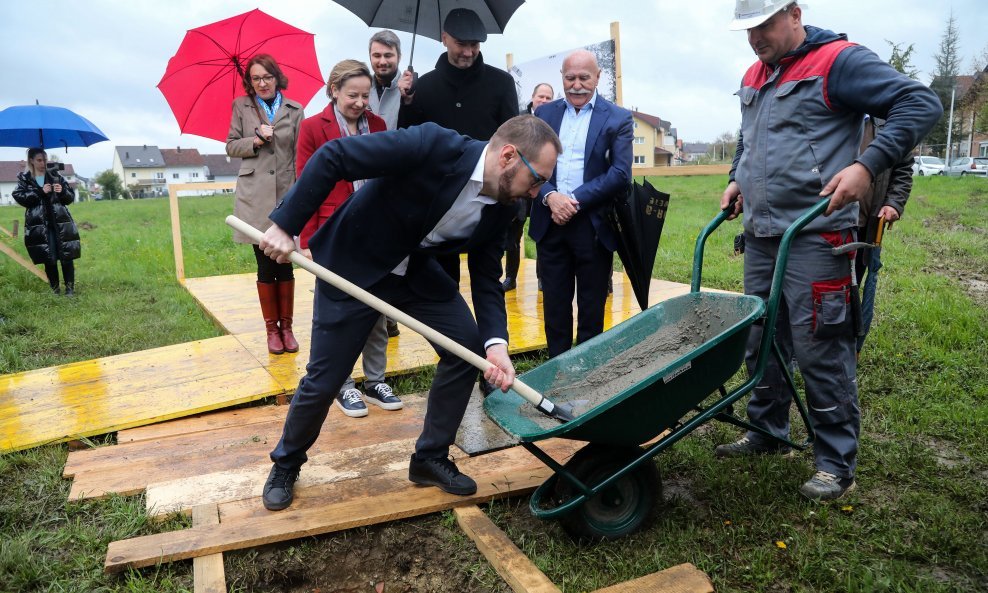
x=463 y=93
x=430 y=192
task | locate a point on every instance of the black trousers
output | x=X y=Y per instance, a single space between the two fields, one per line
x=68 y=272
x=339 y=331
x=572 y=261
x=269 y=270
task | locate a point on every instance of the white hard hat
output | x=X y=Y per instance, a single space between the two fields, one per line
x=751 y=13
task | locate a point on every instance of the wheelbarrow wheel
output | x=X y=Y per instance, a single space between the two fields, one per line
x=619 y=510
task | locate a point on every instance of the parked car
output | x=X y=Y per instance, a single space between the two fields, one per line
x=967 y=165
x=927 y=165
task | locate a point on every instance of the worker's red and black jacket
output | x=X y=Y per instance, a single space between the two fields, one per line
x=801 y=122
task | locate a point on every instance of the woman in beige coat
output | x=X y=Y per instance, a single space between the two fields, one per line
x=263 y=133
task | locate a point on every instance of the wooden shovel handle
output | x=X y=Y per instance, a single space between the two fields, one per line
x=533 y=397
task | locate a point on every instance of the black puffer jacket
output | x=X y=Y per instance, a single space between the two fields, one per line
x=49 y=231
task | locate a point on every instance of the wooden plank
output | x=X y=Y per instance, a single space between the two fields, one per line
x=202 y=423
x=129 y=469
x=9 y=251
x=8 y=233
x=182 y=495
x=382 y=498
x=682 y=578
x=208 y=575
x=176 y=224
x=681 y=170
x=510 y=562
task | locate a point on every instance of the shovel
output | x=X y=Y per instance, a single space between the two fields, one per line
x=561 y=412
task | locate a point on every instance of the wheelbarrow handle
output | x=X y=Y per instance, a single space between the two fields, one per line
x=532 y=396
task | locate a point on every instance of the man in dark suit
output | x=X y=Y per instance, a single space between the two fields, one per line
x=569 y=216
x=430 y=192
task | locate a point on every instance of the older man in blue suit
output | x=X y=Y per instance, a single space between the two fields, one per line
x=569 y=217
x=429 y=192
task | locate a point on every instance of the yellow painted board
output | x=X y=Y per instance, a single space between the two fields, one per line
x=103 y=395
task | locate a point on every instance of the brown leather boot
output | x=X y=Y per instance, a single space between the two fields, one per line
x=267 y=293
x=286 y=308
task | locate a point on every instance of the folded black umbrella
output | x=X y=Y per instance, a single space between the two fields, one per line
x=637 y=221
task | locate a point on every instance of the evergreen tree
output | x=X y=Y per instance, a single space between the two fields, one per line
x=948 y=63
x=901 y=59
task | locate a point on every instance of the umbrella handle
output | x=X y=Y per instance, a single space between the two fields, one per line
x=532 y=396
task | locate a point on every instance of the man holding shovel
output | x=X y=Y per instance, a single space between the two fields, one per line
x=430 y=192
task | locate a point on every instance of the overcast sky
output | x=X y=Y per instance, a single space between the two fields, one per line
x=103 y=59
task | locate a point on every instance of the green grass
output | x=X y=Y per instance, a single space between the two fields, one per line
x=917 y=522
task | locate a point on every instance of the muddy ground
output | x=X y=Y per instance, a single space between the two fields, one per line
x=425 y=555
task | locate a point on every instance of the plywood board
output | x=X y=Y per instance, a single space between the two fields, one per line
x=130 y=468
x=510 y=562
x=324 y=508
x=98 y=396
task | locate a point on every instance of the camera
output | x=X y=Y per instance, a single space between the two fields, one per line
x=53 y=166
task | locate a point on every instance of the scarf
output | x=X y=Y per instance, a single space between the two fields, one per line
x=362 y=129
x=270 y=110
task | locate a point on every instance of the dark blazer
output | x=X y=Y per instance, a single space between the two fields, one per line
x=606 y=167
x=414 y=176
x=313 y=133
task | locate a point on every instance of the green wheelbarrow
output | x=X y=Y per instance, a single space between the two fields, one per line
x=643 y=377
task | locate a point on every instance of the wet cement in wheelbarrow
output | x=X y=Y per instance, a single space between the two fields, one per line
x=586 y=390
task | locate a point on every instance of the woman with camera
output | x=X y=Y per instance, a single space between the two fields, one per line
x=263 y=133
x=50 y=234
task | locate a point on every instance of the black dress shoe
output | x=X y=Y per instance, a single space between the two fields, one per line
x=508 y=284
x=393 y=331
x=441 y=473
x=278 y=489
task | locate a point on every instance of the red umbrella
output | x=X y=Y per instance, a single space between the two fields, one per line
x=204 y=76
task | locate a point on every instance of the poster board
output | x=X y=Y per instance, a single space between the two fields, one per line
x=548 y=69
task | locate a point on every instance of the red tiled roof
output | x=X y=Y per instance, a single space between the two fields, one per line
x=181 y=157
x=651 y=120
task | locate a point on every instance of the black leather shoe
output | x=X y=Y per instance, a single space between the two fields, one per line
x=509 y=284
x=393 y=331
x=441 y=473
x=278 y=489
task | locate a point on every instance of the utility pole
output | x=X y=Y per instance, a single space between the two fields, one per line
x=950 y=123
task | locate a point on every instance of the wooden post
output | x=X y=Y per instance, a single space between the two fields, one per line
x=616 y=37
x=208 y=575
x=173 y=189
x=14 y=224
x=509 y=59
x=176 y=235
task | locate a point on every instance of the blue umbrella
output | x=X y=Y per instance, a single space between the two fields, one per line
x=43 y=126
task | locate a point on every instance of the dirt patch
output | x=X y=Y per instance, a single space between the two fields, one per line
x=415 y=556
x=86 y=226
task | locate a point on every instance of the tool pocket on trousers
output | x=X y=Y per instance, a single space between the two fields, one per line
x=831 y=308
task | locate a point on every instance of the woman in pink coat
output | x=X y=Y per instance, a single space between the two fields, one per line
x=349 y=89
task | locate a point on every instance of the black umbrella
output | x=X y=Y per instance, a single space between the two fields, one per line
x=637 y=221
x=425 y=17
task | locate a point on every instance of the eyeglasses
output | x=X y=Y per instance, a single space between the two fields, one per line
x=265 y=79
x=539 y=180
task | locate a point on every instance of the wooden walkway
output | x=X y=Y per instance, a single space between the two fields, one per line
x=213 y=467
x=98 y=396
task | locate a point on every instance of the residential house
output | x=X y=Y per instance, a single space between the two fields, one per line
x=8 y=179
x=654 y=143
x=141 y=169
x=694 y=151
x=971 y=107
x=221 y=168
x=183 y=165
